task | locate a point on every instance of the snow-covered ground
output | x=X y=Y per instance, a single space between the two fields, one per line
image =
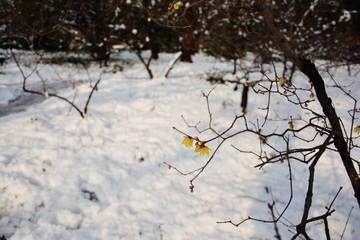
x=104 y=177
x=8 y=94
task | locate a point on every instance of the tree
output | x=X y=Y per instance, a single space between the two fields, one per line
x=189 y=42
x=231 y=44
x=136 y=29
x=91 y=26
x=326 y=127
x=33 y=25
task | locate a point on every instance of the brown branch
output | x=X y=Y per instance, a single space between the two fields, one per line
x=41 y=93
x=277 y=233
x=300 y=228
x=172 y=64
x=147 y=65
x=91 y=93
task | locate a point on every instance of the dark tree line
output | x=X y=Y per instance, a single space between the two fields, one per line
x=227 y=29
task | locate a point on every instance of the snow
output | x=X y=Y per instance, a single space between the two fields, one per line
x=7 y=94
x=104 y=177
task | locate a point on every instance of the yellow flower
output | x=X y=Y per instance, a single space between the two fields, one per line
x=246 y=84
x=149 y=19
x=41 y=59
x=202 y=149
x=176 y=6
x=284 y=158
x=311 y=59
x=188 y=141
x=311 y=94
x=357 y=129
x=281 y=80
x=197 y=147
x=291 y=126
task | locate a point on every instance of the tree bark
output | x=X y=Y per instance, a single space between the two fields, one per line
x=244 y=98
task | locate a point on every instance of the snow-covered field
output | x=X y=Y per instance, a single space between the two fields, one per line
x=104 y=177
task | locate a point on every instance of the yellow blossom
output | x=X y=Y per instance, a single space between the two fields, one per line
x=291 y=126
x=246 y=84
x=197 y=147
x=202 y=149
x=176 y=6
x=41 y=59
x=357 y=129
x=188 y=141
x=149 y=19
x=311 y=94
x=284 y=158
x=281 y=80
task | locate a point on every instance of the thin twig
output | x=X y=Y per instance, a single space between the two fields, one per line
x=90 y=95
x=347 y=221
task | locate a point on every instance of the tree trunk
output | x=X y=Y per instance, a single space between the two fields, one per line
x=189 y=45
x=244 y=98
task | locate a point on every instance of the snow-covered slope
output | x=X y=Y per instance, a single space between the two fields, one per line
x=104 y=177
